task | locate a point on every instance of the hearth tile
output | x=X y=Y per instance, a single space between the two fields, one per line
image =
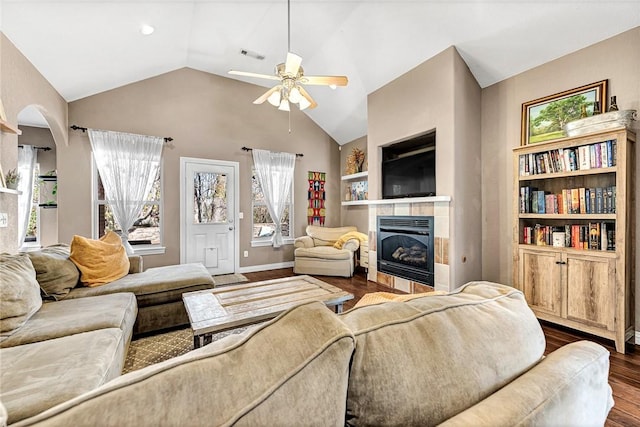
x=385 y=279
x=441 y=209
x=402 y=284
x=385 y=210
x=441 y=225
x=420 y=288
x=422 y=209
x=402 y=209
x=445 y=251
x=441 y=277
x=373 y=241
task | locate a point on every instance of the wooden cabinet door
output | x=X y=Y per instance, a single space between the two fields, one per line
x=541 y=281
x=591 y=290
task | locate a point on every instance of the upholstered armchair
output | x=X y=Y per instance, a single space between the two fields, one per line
x=327 y=251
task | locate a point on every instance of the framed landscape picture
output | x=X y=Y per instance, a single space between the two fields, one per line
x=543 y=119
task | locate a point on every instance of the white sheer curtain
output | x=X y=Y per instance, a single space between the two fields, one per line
x=275 y=172
x=128 y=165
x=27 y=156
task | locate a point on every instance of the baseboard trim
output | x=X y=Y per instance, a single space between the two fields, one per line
x=265 y=267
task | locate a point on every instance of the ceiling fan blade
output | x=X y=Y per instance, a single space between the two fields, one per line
x=308 y=97
x=248 y=74
x=267 y=94
x=292 y=65
x=325 y=80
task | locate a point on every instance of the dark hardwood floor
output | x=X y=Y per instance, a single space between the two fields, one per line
x=624 y=372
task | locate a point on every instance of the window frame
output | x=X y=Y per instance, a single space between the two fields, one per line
x=151 y=249
x=266 y=241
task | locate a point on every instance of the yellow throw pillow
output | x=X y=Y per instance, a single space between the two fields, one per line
x=379 y=297
x=99 y=261
x=348 y=236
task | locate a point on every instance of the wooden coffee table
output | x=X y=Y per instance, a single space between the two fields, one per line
x=228 y=307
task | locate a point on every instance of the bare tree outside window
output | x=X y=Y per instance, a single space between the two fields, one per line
x=209 y=198
x=263 y=225
x=146 y=228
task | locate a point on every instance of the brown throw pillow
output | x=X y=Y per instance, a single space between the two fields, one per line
x=55 y=272
x=99 y=261
x=19 y=292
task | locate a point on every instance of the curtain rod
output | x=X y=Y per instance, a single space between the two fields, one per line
x=75 y=127
x=37 y=148
x=250 y=149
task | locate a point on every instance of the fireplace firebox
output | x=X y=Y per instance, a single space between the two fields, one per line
x=405 y=247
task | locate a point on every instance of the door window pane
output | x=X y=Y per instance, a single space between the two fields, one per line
x=209 y=198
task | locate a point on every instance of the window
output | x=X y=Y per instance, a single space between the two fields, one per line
x=146 y=234
x=263 y=226
x=32 y=238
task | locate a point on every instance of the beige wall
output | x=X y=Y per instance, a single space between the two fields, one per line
x=357 y=215
x=616 y=59
x=438 y=94
x=41 y=137
x=208 y=117
x=22 y=85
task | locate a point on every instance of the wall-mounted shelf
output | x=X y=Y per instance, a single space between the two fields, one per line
x=355 y=176
x=9 y=128
x=355 y=202
x=10 y=191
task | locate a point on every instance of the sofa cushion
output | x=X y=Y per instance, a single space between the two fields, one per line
x=438 y=355
x=55 y=272
x=323 y=252
x=569 y=387
x=156 y=285
x=19 y=292
x=289 y=371
x=37 y=376
x=61 y=318
x=327 y=236
x=99 y=261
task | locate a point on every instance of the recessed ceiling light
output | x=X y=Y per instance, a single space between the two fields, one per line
x=147 y=29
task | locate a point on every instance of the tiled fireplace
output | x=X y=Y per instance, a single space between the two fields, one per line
x=437 y=208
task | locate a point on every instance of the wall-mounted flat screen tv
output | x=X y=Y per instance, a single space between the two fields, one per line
x=409 y=167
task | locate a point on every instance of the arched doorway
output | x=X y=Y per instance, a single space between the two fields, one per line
x=42 y=226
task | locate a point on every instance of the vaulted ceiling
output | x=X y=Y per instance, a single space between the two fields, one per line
x=89 y=46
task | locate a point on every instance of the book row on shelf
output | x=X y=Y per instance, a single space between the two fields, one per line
x=591 y=236
x=594 y=200
x=592 y=156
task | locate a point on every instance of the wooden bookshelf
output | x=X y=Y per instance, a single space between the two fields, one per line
x=584 y=281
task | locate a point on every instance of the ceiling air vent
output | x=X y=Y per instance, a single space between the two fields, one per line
x=252 y=54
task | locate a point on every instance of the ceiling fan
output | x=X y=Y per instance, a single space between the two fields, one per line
x=291 y=76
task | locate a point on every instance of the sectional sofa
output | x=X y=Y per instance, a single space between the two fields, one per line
x=77 y=338
x=470 y=358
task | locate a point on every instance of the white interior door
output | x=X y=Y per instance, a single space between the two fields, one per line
x=208 y=207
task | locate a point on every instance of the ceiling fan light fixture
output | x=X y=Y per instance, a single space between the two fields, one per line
x=294 y=95
x=274 y=98
x=284 y=105
x=304 y=104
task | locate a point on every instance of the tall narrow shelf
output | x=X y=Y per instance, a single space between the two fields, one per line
x=362 y=176
x=584 y=282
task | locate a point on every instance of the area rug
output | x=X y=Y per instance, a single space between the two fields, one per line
x=153 y=349
x=228 y=279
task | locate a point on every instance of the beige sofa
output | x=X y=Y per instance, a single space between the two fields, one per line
x=315 y=253
x=57 y=350
x=471 y=358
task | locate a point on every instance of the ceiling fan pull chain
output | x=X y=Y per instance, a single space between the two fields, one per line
x=289 y=121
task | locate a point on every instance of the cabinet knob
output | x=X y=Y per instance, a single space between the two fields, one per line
x=560 y=262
